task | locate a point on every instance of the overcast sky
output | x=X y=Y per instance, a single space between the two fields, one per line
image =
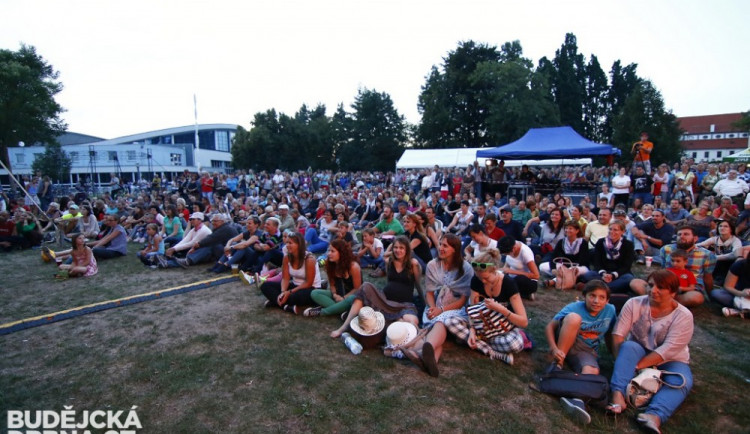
x=133 y=66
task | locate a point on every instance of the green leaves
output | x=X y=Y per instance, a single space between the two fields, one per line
x=28 y=110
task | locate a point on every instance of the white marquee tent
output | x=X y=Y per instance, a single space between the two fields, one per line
x=462 y=157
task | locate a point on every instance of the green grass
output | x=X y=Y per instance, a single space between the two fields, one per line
x=214 y=360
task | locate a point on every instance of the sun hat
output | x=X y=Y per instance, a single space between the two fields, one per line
x=400 y=333
x=284 y=206
x=368 y=322
x=197 y=215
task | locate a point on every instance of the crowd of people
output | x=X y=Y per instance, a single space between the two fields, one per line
x=457 y=261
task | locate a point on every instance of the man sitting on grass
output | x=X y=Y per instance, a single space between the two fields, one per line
x=210 y=247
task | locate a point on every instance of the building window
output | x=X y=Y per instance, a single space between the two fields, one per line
x=717 y=136
x=705 y=154
x=731 y=152
x=112 y=155
x=73 y=157
x=695 y=154
x=731 y=136
x=20 y=158
x=131 y=155
x=704 y=137
x=743 y=135
x=176 y=159
x=718 y=154
x=222 y=141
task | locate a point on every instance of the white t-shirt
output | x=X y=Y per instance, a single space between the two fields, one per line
x=620 y=180
x=524 y=257
x=477 y=249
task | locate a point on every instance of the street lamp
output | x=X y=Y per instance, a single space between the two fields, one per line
x=138 y=168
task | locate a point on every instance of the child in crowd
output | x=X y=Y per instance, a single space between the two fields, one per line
x=83 y=261
x=575 y=334
x=687 y=279
x=154 y=245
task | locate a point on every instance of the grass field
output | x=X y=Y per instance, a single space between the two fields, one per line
x=215 y=360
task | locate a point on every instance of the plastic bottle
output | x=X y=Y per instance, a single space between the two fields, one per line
x=351 y=343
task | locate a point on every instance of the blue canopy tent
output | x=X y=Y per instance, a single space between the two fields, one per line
x=543 y=143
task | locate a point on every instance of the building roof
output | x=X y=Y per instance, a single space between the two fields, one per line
x=692 y=145
x=702 y=124
x=70 y=138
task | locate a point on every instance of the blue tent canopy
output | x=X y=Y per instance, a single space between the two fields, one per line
x=540 y=143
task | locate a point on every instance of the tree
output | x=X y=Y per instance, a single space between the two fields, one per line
x=378 y=134
x=596 y=105
x=644 y=110
x=28 y=110
x=453 y=112
x=54 y=162
x=744 y=123
x=569 y=83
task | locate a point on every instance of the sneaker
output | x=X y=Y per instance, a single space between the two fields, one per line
x=312 y=311
x=640 y=260
x=504 y=357
x=245 y=278
x=576 y=409
x=378 y=273
x=182 y=262
x=267 y=303
x=728 y=311
x=162 y=261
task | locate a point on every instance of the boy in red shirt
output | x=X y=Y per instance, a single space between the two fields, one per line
x=687 y=278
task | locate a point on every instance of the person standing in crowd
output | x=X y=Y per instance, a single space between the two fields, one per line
x=641 y=151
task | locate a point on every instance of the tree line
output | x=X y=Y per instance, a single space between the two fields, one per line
x=480 y=96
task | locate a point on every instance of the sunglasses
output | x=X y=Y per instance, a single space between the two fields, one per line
x=481 y=265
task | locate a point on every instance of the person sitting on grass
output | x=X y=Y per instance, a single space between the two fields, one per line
x=480 y=242
x=572 y=247
x=396 y=300
x=687 y=280
x=172 y=231
x=448 y=287
x=370 y=253
x=300 y=276
x=236 y=248
x=727 y=248
x=197 y=232
x=499 y=293
x=210 y=247
x=520 y=265
x=154 y=245
x=83 y=261
x=575 y=335
x=701 y=263
x=736 y=284
x=344 y=279
x=612 y=258
x=653 y=330
x=88 y=224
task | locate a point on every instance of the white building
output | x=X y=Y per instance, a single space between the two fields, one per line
x=166 y=152
x=712 y=137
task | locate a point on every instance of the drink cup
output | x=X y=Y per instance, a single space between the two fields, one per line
x=528 y=241
x=649 y=259
x=235 y=269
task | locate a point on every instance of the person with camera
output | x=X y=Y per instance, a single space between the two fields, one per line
x=641 y=151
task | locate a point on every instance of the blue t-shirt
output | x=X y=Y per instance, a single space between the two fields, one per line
x=593 y=328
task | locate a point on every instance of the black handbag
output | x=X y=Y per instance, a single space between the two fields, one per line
x=588 y=387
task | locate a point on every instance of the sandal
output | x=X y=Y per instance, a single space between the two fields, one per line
x=648 y=423
x=613 y=408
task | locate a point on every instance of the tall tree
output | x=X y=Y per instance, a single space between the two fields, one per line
x=28 y=110
x=569 y=83
x=450 y=103
x=54 y=162
x=378 y=132
x=743 y=124
x=622 y=82
x=644 y=110
x=595 y=107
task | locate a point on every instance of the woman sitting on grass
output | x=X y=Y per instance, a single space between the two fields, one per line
x=300 y=276
x=659 y=330
x=572 y=247
x=448 y=286
x=154 y=245
x=172 y=231
x=344 y=279
x=83 y=263
x=396 y=300
x=500 y=294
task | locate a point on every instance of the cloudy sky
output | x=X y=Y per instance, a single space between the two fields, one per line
x=130 y=67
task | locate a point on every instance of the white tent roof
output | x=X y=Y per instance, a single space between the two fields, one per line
x=462 y=157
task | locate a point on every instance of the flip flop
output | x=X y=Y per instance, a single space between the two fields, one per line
x=428 y=358
x=647 y=422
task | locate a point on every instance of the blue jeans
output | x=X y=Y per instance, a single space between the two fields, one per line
x=723 y=297
x=644 y=197
x=666 y=400
x=368 y=260
x=205 y=254
x=315 y=244
x=621 y=285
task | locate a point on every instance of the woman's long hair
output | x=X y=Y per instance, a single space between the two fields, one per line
x=403 y=241
x=340 y=268
x=456 y=260
x=299 y=240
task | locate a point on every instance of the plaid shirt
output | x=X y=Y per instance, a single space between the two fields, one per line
x=700 y=262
